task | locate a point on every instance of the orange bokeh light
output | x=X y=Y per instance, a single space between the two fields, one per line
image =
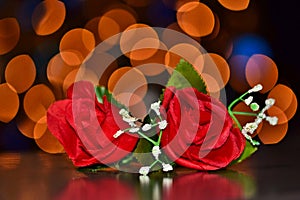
x=48 y=16
x=235 y=5
x=275 y=111
x=40 y=128
x=48 y=143
x=261 y=69
x=212 y=84
x=285 y=99
x=188 y=52
x=196 y=19
x=26 y=125
x=222 y=70
x=92 y=26
x=9 y=103
x=20 y=72
x=9 y=34
x=139 y=42
x=128 y=85
x=115 y=21
x=58 y=69
x=37 y=100
x=79 y=41
x=272 y=134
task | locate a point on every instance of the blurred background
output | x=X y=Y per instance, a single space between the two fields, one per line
x=43 y=44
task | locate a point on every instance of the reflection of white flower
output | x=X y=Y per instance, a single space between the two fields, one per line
x=156 y=151
x=155 y=107
x=167 y=167
x=272 y=120
x=146 y=127
x=144 y=180
x=118 y=133
x=248 y=100
x=256 y=88
x=162 y=124
x=144 y=170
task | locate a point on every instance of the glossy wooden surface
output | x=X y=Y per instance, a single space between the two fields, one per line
x=272 y=173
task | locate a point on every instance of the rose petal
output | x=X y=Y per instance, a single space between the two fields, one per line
x=60 y=128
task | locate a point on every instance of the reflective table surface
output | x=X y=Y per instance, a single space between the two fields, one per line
x=271 y=173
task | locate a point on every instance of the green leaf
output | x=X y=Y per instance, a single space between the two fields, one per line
x=185 y=76
x=248 y=151
x=143 y=153
x=101 y=91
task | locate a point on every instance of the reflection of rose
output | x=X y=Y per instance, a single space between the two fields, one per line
x=97 y=188
x=204 y=186
x=188 y=108
x=86 y=127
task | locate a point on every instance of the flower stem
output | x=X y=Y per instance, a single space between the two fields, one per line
x=147 y=138
x=231 y=112
x=153 y=163
x=159 y=137
x=244 y=113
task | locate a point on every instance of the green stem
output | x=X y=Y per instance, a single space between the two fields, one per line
x=159 y=137
x=244 y=113
x=231 y=112
x=153 y=163
x=147 y=138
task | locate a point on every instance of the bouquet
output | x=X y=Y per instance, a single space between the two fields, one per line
x=184 y=127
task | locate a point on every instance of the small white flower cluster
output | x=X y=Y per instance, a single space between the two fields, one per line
x=162 y=124
x=252 y=126
x=253 y=105
x=155 y=152
x=131 y=122
x=155 y=107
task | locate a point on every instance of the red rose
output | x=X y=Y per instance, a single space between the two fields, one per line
x=200 y=133
x=86 y=127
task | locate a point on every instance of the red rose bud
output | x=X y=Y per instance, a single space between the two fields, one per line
x=86 y=128
x=200 y=133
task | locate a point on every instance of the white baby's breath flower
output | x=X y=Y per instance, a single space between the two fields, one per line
x=248 y=100
x=134 y=129
x=270 y=102
x=123 y=112
x=272 y=120
x=155 y=107
x=144 y=170
x=258 y=120
x=167 y=167
x=156 y=151
x=146 y=127
x=130 y=120
x=162 y=124
x=256 y=88
x=250 y=127
x=261 y=115
x=118 y=133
